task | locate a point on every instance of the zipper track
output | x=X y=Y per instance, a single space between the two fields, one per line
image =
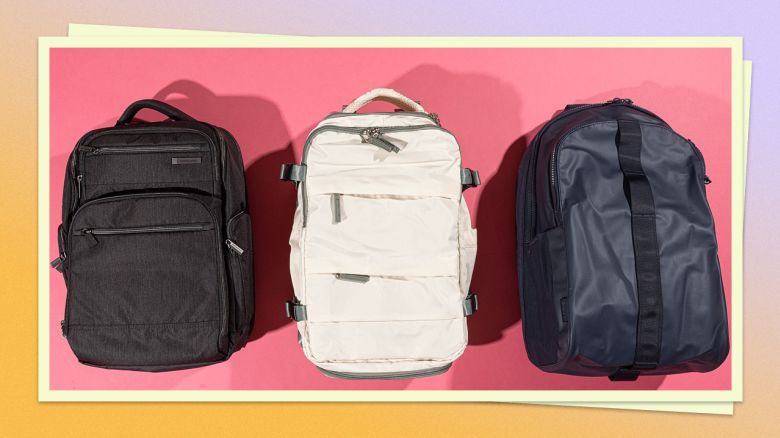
x=531 y=202
x=145 y=229
x=429 y=116
x=220 y=271
x=77 y=162
x=100 y=150
x=358 y=130
x=554 y=164
x=400 y=375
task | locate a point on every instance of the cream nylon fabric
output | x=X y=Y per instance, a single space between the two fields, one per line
x=403 y=223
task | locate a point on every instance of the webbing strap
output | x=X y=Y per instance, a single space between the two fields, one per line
x=293 y=172
x=295 y=310
x=646 y=258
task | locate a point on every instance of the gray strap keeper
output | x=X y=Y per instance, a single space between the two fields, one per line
x=469 y=178
x=295 y=310
x=293 y=172
x=470 y=304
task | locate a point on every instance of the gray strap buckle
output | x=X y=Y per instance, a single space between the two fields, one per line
x=469 y=178
x=293 y=172
x=470 y=304
x=295 y=310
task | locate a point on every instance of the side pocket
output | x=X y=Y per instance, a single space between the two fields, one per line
x=467 y=248
x=545 y=297
x=239 y=243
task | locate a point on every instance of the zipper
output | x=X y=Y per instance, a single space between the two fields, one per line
x=398 y=375
x=554 y=167
x=100 y=150
x=143 y=230
x=374 y=137
x=430 y=116
x=698 y=153
x=531 y=206
x=81 y=147
x=79 y=188
x=222 y=292
x=355 y=278
x=336 y=207
x=358 y=130
x=233 y=246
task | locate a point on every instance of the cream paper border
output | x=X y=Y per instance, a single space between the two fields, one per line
x=722 y=408
x=734 y=394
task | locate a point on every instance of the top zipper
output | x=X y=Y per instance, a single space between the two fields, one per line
x=359 y=131
x=431 y=116
x=531 y=200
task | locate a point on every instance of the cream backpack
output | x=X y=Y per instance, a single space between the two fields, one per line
x=382 y=248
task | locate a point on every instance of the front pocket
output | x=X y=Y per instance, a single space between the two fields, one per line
x=396 y=235
x=545 y=295
x=239 y=243
x=145 y=282
x=116 y=168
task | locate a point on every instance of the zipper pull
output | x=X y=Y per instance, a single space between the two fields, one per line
x=79 y=178
x=234 y=247
x=58 y=262
x=619 y=100
x=357 y=278
x=707 y=179
x=88 y=232
x=374 y=136
x=335 y=200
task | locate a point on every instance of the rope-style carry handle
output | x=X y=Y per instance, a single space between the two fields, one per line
x=385 y=95
x=161 y=107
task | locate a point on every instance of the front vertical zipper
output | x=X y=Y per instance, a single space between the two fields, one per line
x=79 y=193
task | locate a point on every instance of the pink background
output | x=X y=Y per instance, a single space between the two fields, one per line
x=493 y=99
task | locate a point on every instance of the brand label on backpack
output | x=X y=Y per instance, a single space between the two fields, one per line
x=185 y=160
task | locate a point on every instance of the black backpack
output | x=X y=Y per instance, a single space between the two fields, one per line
x=617 y=258
x=155 y=244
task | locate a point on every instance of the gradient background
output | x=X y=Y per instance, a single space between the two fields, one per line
x=490 y=98
x=20 y=27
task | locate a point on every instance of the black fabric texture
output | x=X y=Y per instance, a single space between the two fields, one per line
x=148 y=209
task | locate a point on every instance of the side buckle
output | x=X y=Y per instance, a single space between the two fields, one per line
x=470 y=178
x=470 y=304
x=295 y=310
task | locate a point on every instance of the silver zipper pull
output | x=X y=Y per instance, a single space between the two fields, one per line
x=234 y=247
x=357 y=278
x=374 y=137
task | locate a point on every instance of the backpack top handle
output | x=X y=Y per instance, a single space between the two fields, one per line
x=386 y=95
x=161 y=107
